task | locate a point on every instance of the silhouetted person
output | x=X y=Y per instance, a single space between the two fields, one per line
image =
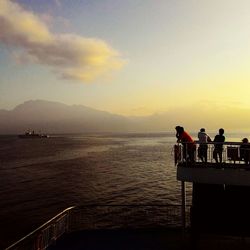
x=187 y=142
x=218 y=147
x=245 y=151
x=204 y=138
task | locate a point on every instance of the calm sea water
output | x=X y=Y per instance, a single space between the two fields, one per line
x=41 y=177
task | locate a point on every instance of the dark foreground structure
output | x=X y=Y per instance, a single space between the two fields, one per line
x=122 y=239
x=219 y=217
x=151 y=240
x=97 y=226
x=220 y=196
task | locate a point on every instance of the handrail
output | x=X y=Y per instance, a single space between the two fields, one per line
x=128 y=205
x=74 y=215
x=209 y=153
x=37 y=230
x=214 y=143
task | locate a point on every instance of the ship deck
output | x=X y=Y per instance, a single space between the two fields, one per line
x=121 y=239
x=227 y=173
x=233 y=169
x=153 y=239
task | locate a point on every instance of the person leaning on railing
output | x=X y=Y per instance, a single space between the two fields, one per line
x=218 y=146
x=187 y=142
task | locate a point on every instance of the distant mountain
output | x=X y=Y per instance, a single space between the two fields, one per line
x=54 y=117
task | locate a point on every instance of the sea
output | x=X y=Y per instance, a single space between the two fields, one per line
x=42 y=176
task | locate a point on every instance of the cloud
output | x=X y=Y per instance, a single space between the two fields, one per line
x=58 y=3
x=71 y=56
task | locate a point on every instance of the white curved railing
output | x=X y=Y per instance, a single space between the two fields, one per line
x=94 y=217
x=44 y=235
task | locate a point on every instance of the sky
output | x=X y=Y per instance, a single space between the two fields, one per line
x=129 y=57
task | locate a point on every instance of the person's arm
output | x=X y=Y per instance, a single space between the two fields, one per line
x=179 y=138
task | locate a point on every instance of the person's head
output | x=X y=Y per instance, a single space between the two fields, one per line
x=202 y=130
x=179 y=129
x=221 y=131
x=245 y=140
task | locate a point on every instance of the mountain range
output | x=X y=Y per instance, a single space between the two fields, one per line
x=55 y=117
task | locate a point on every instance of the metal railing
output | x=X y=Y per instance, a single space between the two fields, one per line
x=231 y=152
x=96 y=217
x=44 y=235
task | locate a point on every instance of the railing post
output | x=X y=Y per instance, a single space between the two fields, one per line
x=68 y=225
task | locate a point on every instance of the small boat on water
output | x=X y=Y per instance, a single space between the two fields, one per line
x=32 y=134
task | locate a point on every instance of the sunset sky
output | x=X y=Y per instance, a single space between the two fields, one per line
x=130 y=57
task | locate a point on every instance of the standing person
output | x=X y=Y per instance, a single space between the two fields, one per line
x=188 y=143
x=218 y=147
x=245 y=151
x=204 y=138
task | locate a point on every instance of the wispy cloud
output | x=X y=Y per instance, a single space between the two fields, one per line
x=71 y=56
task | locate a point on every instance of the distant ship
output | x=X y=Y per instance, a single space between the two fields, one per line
x=32 y=134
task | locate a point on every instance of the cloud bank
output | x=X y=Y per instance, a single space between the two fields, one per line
x=71 y=56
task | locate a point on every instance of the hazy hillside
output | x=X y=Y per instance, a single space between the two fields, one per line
x=53 y=117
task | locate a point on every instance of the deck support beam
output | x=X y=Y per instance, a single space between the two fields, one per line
x=183 y=205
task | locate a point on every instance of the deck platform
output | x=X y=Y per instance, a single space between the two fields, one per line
x=122 y=240
x=171 y=239
x=214 y=173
